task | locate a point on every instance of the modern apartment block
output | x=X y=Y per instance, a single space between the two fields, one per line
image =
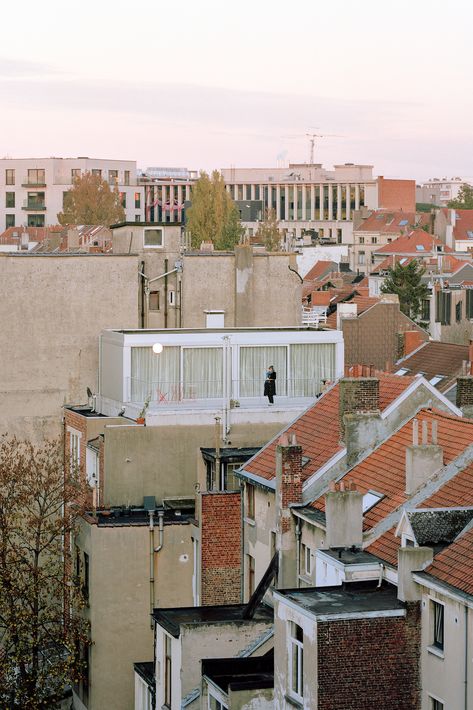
x=310 y=198
x=32 y=189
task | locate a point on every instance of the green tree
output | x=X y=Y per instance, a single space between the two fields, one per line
x=213 y=215
x=464 y=200
x=91 y=201
x=268 y=231
x=406 y=282
x=43 y=633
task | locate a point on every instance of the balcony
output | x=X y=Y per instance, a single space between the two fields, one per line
x=33 y=183
x=34 y=206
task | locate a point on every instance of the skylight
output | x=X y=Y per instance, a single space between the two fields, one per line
x=402 y=371
x=403 y=260
x=420 y=247
x=469 y=234
x=370 y=499
x=403 y=222
x=436 y=379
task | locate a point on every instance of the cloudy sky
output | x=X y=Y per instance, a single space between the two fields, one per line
x=209 y=83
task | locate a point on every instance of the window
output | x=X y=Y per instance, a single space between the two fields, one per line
x=36 y=177
x=36 y=200
x=251 y=575
x=153 y=237
x=127 y=177
x=231 y=482
x=435 y=704
x=36 y=220
x=9 y=220
x=250 y=501
x=402 y=371
x=137 y=218
x=374 y=240
x=167 y=671
x=137 y=200
x=362 y=240
x=458 y=311
x=436 y=379
x=10 y=199
x=75 y=173
x=97 y=172
x=74 y=450
x=469 y=303
x=296 y=659
x=172 y=298
x=444 y=306
x=370 y=499
x=154 y=301
x=425 y=309
x=86 y=581
x=437 y=612
x=361 y=257
x=339 y=236
x=305 y=563
x=123 y=199
x=216 y=704
x=9 y=177
x=113 y=177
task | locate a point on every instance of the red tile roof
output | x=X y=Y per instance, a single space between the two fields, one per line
x=454 y=565
x=388 y=222
x=320 y=268
x=436 y=358
x=385 y=469
x=463 y=224
x=408 y=244
x=362 y=302
x=318 y=429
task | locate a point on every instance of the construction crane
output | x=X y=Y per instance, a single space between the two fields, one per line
x=312 y=137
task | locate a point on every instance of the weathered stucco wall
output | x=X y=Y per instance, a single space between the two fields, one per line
x=52 y=310
x=119 y=601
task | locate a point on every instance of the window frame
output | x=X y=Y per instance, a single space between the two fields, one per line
x=10 y=199
x=9 y=176
x=153 y=246
x=250 y=501
x=296 y=661
x=75 y=437
x=167 y=667
x=437 y=630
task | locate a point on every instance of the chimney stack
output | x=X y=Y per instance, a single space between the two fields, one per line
x=288 y=477
x=465 y=392
x=343 y=516
x=409 y=560
x=359 y=394
x=424 y=459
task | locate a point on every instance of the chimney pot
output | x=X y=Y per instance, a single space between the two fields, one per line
x=415 y=432
x=332 y=486
x=342 y=486
x=425 y=433
x=284 y=440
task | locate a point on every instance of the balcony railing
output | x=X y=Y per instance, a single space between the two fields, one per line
x=33 y=183
x=314 y=316
x=176 y=393
x=34 y=206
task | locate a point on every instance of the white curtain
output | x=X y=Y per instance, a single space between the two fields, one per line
x=254 y=363
x=203 y=372
x=310 y=364
x=155 y=376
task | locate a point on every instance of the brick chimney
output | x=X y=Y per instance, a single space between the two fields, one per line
x=465 y=390
x=288 y=492
x=344 y=516
x=423 y=460
x=359 y=393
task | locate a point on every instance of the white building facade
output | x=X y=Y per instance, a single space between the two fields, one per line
x=306 y=197
x=32 y=189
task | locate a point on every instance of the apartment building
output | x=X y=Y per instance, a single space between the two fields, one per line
x=439 y=191
x=32 y=189
x=310 y=199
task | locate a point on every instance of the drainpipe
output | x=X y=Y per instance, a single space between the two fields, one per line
x=466 y=658
x=152 y=551
x=143 y=277
x=216 y=483
x=298 y=551
x=165 y=293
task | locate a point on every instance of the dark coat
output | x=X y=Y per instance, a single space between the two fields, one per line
x=270 y=385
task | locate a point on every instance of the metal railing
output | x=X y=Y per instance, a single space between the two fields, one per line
x=314 y=316
x=172 y=393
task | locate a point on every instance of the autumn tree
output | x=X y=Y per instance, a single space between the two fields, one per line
x=268 y=232
x=464 y=199
x=91 y=201
x=406 y=282
x=42 y=631
x=213 y=215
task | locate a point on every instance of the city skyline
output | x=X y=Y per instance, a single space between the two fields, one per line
x=206 y=87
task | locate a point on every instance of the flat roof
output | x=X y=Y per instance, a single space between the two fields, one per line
x=269 y=329
x=352 y=599
x=173 y=618
x=145 y=224
x=126 y=517
x=351 y=557
x=230 y=454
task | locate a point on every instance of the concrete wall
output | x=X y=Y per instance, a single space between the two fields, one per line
x=260 y=699
x=119 y=601
x=257 y=534
x=52 y=310
x=163 y=460
x=443 y=674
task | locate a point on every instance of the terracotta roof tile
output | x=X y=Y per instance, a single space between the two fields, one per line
x=454 y=565
x=392 y=222
x=318 y=429
x=384 y=470
x=436 y=358
x=409 y=243
x=320 y=268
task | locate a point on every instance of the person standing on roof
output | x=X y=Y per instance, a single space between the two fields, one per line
x=270 y=385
